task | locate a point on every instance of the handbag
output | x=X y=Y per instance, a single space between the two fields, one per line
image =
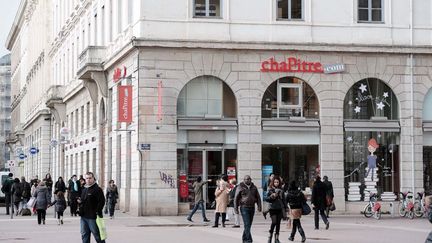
x=332 y=207
x=101 y=226
x=306 y=209
x=31 y=203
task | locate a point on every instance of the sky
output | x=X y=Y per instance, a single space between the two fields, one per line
x=7 y=14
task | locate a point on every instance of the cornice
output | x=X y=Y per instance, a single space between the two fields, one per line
x=16 y=25
x=31 y=6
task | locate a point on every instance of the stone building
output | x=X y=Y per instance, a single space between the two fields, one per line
x=5 y=88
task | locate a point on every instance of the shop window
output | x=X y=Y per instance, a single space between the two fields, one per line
x=289 y=97
x=370 y=98
x=427 y=169
x=206 y=97
x=290 y=9
x=427 y=107
x=370 y=10
x=207 y=8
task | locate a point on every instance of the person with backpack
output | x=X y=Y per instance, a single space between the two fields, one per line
x=59 y=206
x=17 y=194
x=6 y=189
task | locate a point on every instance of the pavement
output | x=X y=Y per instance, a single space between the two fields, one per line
x=125 y=228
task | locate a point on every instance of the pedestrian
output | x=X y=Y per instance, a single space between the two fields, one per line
x=91 y=204
x=428 y=205
x=233 y=183
x=49 y=184
x=277 y=207
x=74 y=192
x=111 y=197
x=199 y=201
x=59 y=186
x=246 y=197
x=329 y=195
x=59 y=206
x=34 y=181
x=16 y=194
x=295 y=198
x=42 y=201
x=319 y=202
x=265 y=203
x=26 y=194
x=222 y=199
x=6 y=189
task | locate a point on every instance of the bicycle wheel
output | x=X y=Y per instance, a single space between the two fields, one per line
x=368 y=211
x=418 y=210
x=411 y=214
x=401 y=210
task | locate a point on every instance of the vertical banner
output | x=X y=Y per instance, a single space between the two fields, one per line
x=159 y=114
x=266 y=171
x=124 y=103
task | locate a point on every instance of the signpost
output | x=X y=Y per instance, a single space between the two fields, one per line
x=34 y=150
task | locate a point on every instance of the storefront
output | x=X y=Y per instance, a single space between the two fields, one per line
x=427 y=142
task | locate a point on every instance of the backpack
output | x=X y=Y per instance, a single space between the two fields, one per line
x=26 y=212
x=7 y=186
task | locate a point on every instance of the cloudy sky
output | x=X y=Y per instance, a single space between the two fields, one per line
x=7 y=14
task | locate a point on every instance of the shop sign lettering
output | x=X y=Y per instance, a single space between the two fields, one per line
x=292 y=64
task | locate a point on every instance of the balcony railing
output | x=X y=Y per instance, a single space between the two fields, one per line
x=91 y=58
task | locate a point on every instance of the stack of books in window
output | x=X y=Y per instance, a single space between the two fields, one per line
x=371 y=184
x=354 y=191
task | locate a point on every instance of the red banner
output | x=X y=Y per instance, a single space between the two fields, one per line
x=125 y=103
x=184 y=189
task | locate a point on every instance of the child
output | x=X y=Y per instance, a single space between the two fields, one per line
x=60 y=206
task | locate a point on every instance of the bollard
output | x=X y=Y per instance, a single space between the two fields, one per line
x=391 y=210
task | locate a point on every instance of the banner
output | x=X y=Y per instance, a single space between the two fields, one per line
x=124 y=103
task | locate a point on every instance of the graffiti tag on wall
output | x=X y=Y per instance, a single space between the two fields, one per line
x=167 y=179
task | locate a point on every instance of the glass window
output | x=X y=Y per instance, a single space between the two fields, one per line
x=206 y=96
x=370 y=11
x=427 y=106
x=288 y=97
x=290 y=9
x=207 y=8
x=369 y=98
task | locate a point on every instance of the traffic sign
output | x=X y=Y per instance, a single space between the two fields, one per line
x=144 y=146
x=22 y=156
x=34 y=150
x=10 y=164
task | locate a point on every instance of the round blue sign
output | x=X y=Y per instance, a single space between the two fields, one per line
x=22 y=156
x=33 y=150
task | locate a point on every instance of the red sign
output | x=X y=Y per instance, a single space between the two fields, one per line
x=231 y=173
x=184 y=189
x=291 y=65
x=118 y=74
x=125 y=103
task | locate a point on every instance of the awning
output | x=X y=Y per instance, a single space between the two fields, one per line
x=427 y=126
x=372 y=126
x=207 y=124
x=307 y=125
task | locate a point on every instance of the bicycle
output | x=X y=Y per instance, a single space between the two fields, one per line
x=406 y=205
x=373 y=208
x=420 y=205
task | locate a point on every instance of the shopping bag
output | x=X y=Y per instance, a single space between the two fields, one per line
x=306 y=210
x=101 y=226
x=31 y=203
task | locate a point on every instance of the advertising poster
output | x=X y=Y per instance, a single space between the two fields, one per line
x=266 y=171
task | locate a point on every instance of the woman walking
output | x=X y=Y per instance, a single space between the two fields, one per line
x=111 y=197
x=222 y=199
x=49 y=184
x=42 y=201
x=296 y=199
x=59 y=186
x=277 y=207
x=17 y=194
x=59 y=206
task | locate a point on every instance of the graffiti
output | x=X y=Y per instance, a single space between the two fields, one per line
x=167 y=179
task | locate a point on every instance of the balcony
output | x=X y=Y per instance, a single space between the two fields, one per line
x=91 y=60
x=54 y=102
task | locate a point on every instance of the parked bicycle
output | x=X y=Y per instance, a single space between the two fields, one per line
x=406 y=205
x=373 y=208
x=420 y=205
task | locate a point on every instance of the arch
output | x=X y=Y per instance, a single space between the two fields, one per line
x=289 y=96
x=206 y=96
x=371 y=97
x=427 y=106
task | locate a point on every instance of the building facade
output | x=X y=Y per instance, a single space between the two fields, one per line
x=5 y=112
x=153 y=94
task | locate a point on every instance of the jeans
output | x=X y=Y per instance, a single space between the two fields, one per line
x=87 y=226
x=111 y=207
x=247 y=215
x=323 y=216
x=195 y=208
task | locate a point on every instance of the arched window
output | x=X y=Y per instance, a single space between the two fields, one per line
x=287 y=97
x=207 y=97
x=370 y=98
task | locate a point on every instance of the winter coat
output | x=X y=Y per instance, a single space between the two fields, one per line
x=26 y=194
x=92 y=202
x=198 y=190
x=112 y=194
x=42 y=197
x=48 y=183
x=329 y=187
x=59 y=187
x=319 y=193
x=232 y=196
x=222 y=197
x=74 y=193
x=247 y=197
x=295 y=199
x=59 y=205
x=17 y=192
x=278 y=202
x=7 y=186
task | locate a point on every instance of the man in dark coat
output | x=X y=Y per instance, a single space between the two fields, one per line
x=74 y=191
x=329 y=194
x=7 y=189
x=91 y=204
x=319 y=202
x=26 y=194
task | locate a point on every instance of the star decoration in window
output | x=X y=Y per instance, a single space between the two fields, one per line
x=363 y=88
x=357 y=109
x=380 y=105
x=385 y=95
x=349 y=139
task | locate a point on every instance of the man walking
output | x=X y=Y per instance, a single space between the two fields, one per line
x=246 y=196
x=91 y=205
x=319 y=202
x=26 y=194
x=329 y=194
x=7 y=190
x=199 y=201
x=74 y=191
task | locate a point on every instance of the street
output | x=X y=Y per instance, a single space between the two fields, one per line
x=127 y=229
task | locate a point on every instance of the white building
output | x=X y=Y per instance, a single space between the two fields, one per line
x=217 y=85
x=5 y=111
